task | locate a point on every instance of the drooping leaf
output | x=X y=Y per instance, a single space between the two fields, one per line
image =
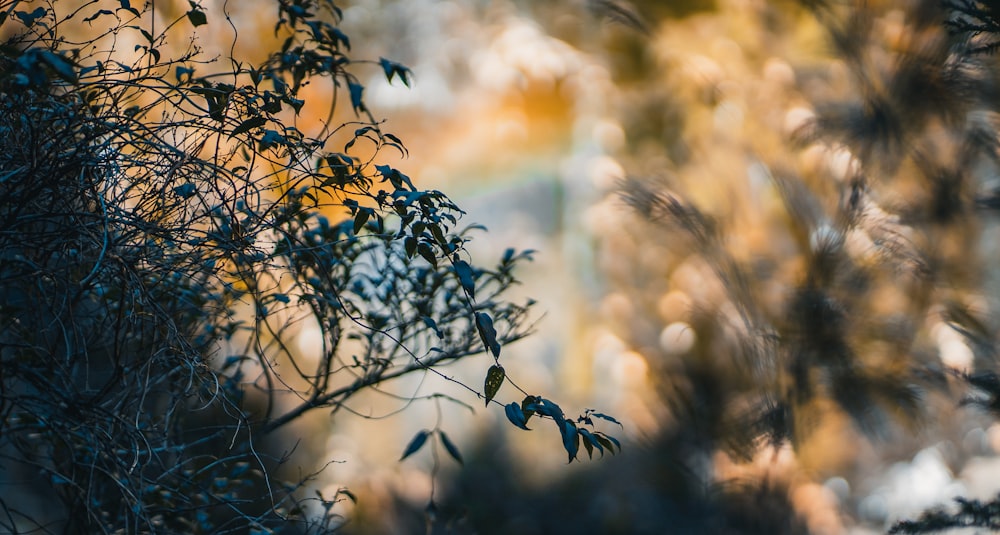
x=426 y=253
x=589 y=447
x=391 y=68
x=615 y=440
x=394 y=176
x=608 y=418
x=127 y=6
x=196 y=15
x=341 y=37
x=484 y=324
x=361 y=218
x=570 y=438
x=98 y=14
x=591 y=442
x=449 y=446
x=465 y=277
x=494 y=378
x=356 y=91
x=606 y=441
x=432 y=325
x=516 y=416
x=249 y=124
x=416 y=443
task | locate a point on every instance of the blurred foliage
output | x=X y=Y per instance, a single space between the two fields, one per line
x=806 y=269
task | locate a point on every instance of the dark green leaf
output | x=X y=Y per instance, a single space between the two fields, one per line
x=590 y=441
x=465 y=277
x=602 y=439
x=361 y=218
x=356 y=102
x=98 y=14
x=196 y=15
x=270 y=139
x=183 y=74
x=450 y=447
x=432 y=325
x=516 y=415
x=394 y=177
x=340 y=36
x=127 y=6
x=438 y=234
x=415 y=444
x=484 y=324
x=494 y=378
x=570 y=438
x=249 y=124
x=608 y=418
x=427 y=253
x=590 y=448
x=29 y=18
x=391 y=68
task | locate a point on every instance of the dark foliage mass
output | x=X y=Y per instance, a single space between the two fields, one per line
x=166 y=229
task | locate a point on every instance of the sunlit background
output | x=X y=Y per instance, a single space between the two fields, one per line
x=530 y=114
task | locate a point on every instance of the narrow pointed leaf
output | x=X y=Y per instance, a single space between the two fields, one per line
x=465 y=277
x=591 y=442
x=494 y=378
x=589 y=447
x=484 y=324
x=249 y=124
x=415 y=444
x=608 y=418
x=427 y=253
x=361 y=219
x=570 y=438
x=603 y=440
x=356 y=91
x=449 y=446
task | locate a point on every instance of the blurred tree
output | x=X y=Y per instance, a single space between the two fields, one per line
x=807 y=271
x=168 y=225
x=823 y=225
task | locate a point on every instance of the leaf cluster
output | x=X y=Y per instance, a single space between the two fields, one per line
x=166 y=231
